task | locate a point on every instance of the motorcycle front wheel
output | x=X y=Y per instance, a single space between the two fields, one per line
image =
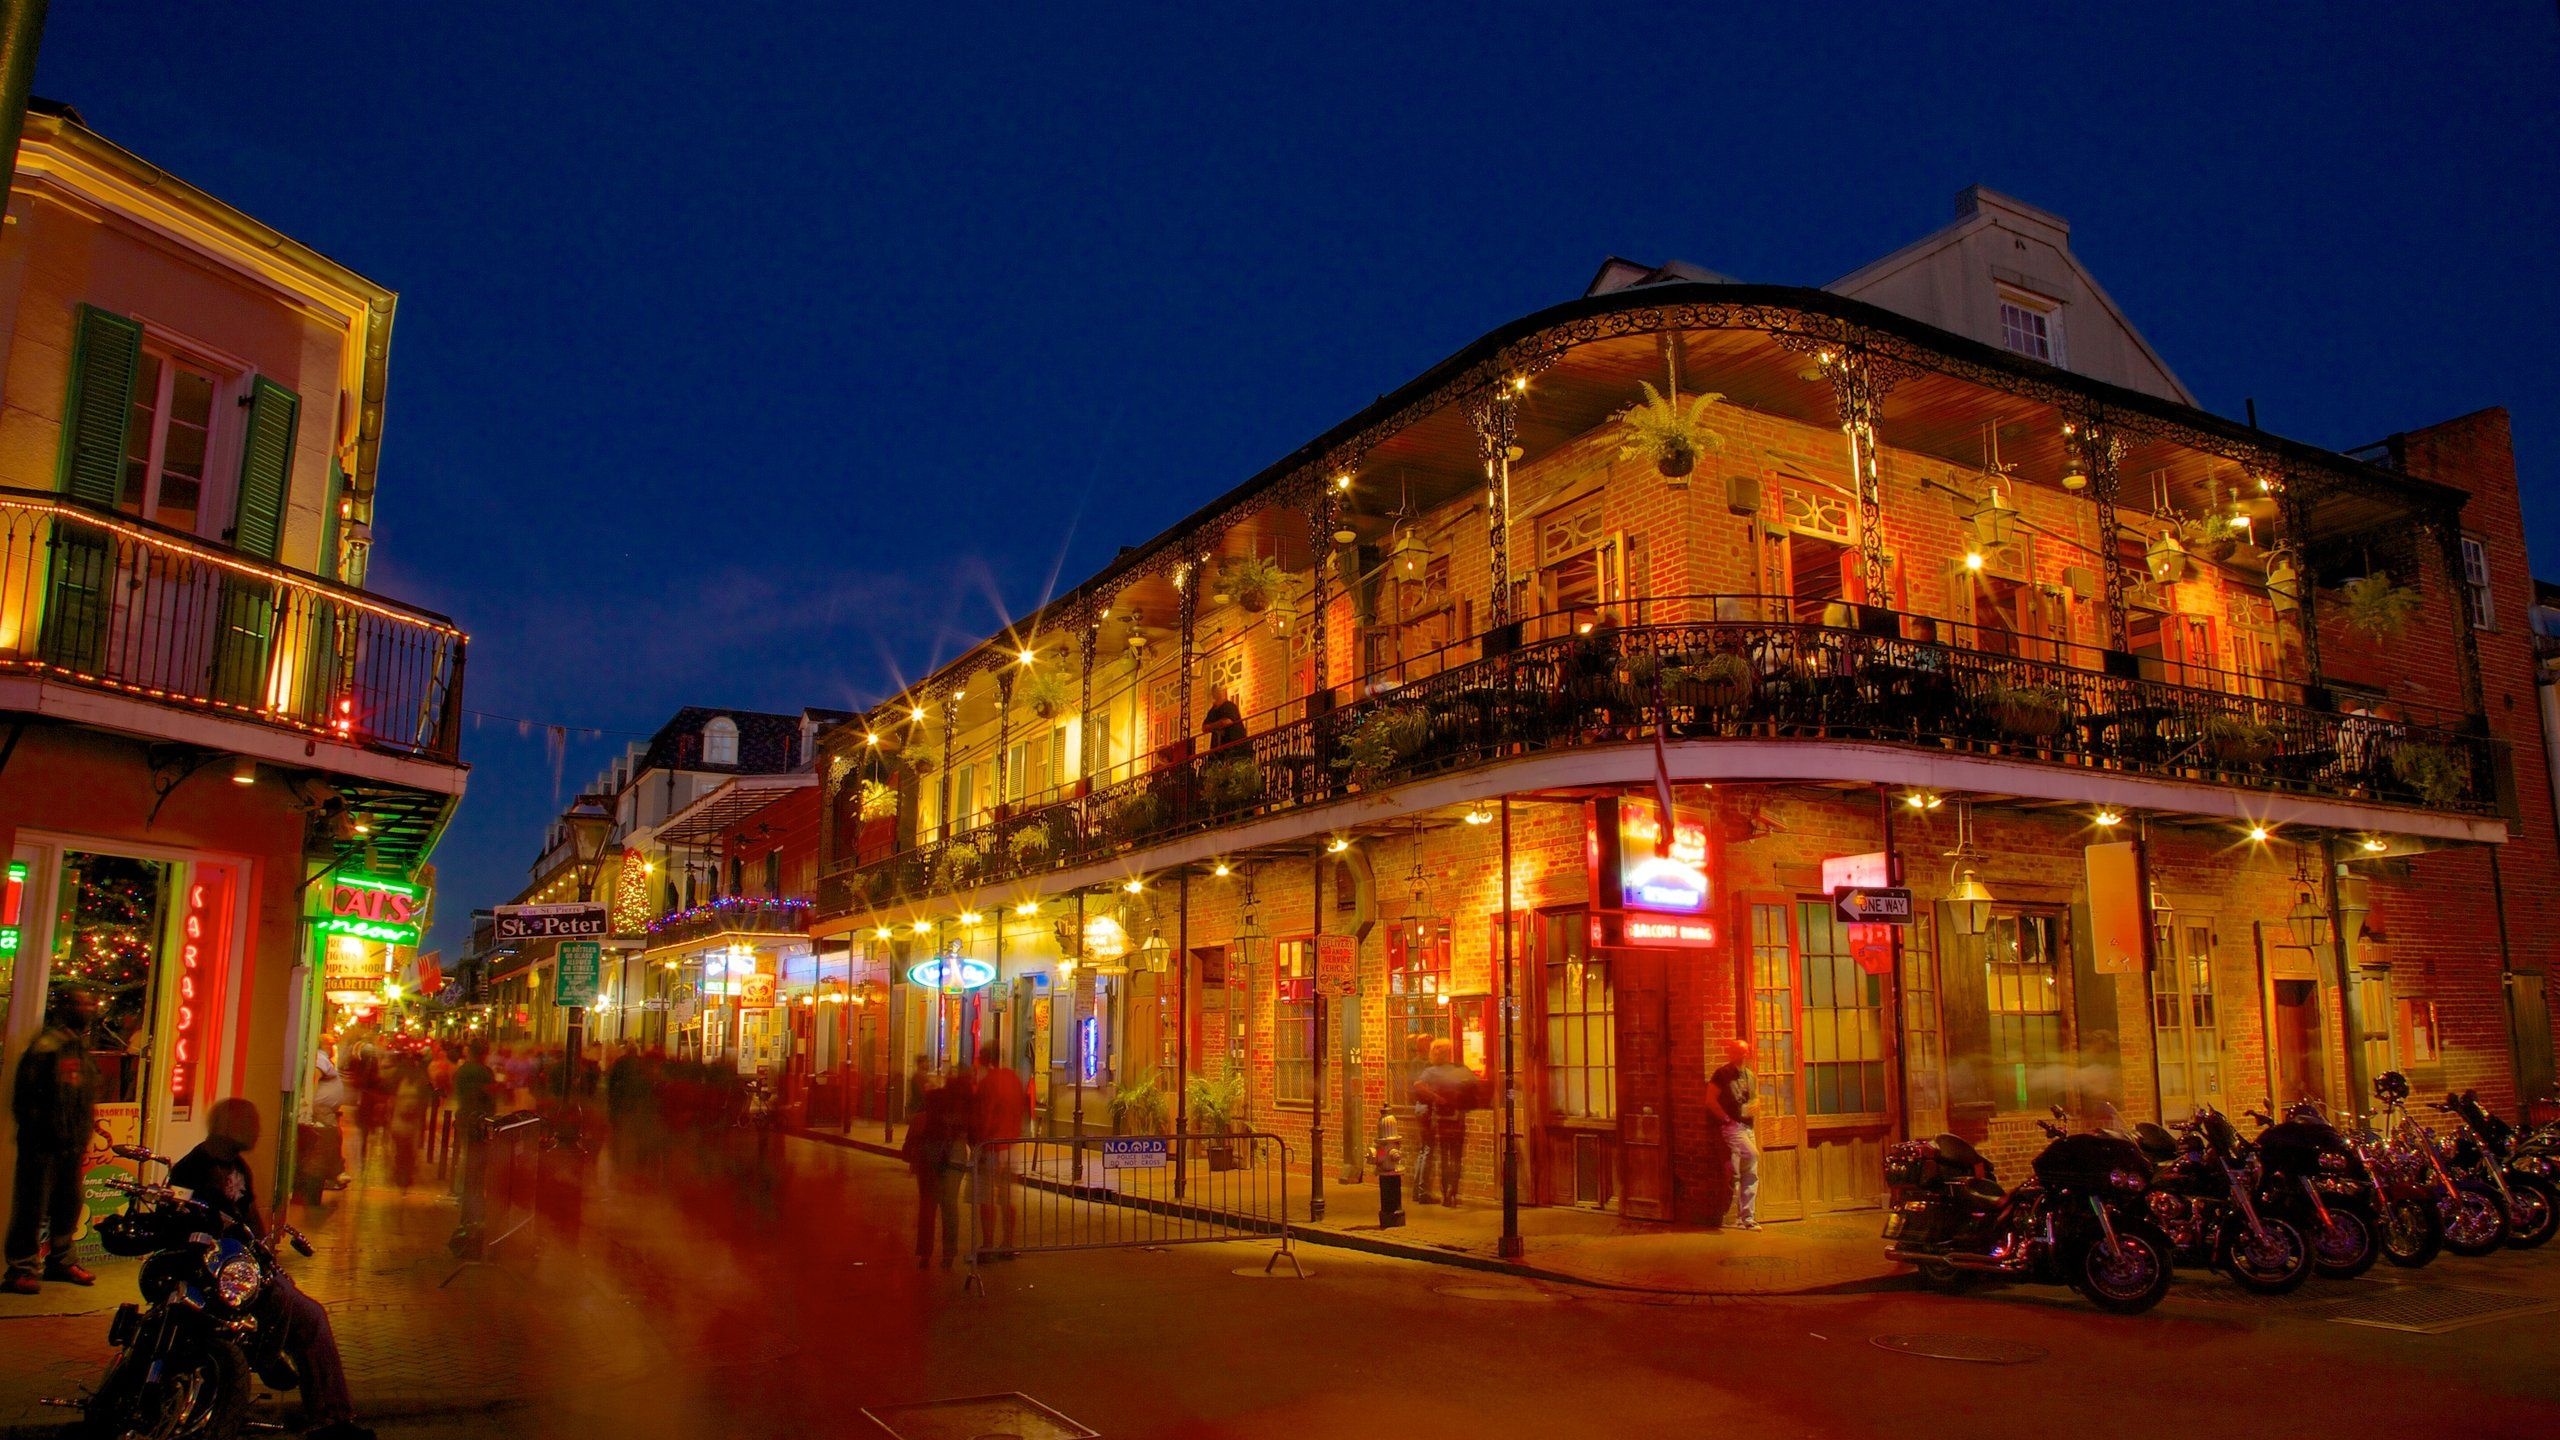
x=2129 y=1281
x=201 y=1395
x=2346 y=1247
x=2474 y=1222
x=2412 y=1233
x=2273 y=1260
x=2533 y=1213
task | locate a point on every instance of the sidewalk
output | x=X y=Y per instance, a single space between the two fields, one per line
x=1566 y=1244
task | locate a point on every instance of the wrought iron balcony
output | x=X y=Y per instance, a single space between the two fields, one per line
x=1711 y=680
x=105 y=601
x=729 y=915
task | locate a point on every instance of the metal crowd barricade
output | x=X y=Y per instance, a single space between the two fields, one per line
x=501 y=1185
x=1099 y=1192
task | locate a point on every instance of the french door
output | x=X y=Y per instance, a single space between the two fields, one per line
x=1823 y=1049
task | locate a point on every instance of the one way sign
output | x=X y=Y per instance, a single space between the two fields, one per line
x=1874 y=904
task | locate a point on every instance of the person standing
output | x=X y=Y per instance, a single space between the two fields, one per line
x=997 y=1117
x=1445 y=1091
x=1736 y=1104
x=475 y=1104
x=55 y=1105
x=936 y=1152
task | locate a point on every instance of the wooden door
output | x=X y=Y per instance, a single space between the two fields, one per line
x=1572 y=1038
x=1644 y=1084
x=1770 y=928
x=2298 y=1063
x=2529 y=1031
x=1844 y=1054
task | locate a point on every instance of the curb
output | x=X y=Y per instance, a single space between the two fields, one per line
x=1434 y=1255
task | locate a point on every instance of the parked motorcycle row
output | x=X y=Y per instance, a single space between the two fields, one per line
x=2113 y=1215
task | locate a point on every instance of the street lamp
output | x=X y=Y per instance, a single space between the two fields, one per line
x=590 y=824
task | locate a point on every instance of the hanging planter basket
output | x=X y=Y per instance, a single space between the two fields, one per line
x=2167 y=560
x=2233 y=740
x=2030 y=712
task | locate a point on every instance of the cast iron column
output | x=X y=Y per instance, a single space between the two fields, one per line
x=2100 y=454
x=2293 y=492
x=1511 y=1246
x=1496 y=425
x=1315 y=1000
x=1004 y=739
x=950 y=759
x=1182 y=1029
x=1858 y=387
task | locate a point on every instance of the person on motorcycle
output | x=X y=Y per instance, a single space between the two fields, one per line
x=218 y=1172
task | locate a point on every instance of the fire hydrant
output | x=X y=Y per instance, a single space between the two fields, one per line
x=1390 y=1164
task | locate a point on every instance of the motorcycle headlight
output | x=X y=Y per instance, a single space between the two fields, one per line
x=2125 y=1181
x=236 y=1281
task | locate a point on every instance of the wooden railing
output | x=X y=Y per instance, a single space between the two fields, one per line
x=100 y=599
x=1706 y=680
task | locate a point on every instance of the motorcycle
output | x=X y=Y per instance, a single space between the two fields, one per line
x=2077 y=1222
x=209 y=1317
x=2412 y=1230
x=2204 y=1199
x=2471 y=1212
x=2486 y=1149
x=2309 y=1176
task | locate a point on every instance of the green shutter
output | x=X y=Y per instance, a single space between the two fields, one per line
x=106 y=357
x=266 y=470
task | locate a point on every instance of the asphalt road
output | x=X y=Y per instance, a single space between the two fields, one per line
x=712 y=1313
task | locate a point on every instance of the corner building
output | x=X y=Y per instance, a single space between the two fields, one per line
x=2211 y=760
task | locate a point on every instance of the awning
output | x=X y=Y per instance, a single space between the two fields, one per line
x=734 y=800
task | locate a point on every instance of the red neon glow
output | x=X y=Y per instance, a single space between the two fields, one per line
x=206 y=920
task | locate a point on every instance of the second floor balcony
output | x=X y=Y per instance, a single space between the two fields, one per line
x=1868 y=678
x=109 y=603
x=742 y=917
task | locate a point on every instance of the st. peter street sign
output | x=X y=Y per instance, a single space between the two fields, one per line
x=580 y=921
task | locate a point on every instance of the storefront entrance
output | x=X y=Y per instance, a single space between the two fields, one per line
x=2301 y=1070
x=1821 y=1052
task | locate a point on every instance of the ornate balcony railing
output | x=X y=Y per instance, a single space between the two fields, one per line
x=1708 y=680
x=729 y=915
x=103 y=600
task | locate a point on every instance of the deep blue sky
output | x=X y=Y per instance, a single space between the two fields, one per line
x=748 y=355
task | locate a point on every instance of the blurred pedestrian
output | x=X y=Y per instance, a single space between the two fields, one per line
x=55 y=1105
x=411 y=1095
x=1736 y=1103
x=1446 y=1091
x=937 y=1153
x=218 y=1172
x=997 y=1115
x=475 y=1104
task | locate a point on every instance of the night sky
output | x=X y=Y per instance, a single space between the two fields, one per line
x=754 y=359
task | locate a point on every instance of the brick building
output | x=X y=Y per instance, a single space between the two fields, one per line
x=2212 y=760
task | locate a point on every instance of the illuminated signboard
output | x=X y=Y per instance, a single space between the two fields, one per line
x=200 y=945
x=1648 y=930
x=11 y=900
x=374 y=907
x=963 y=974
x=1663 y=879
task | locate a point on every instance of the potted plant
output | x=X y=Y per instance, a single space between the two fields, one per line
x=1250 y=581
x=1029 y=844
x=1232 y=783
x=2167 y=558
x=1639 y=680
x=2379 y=606
x=921 y=756
x=1218 y=1107
x=1661 y=431
x=959 y=865
x=1046 y=693
x=1137 y=816
x=1720 y=681
x=2214 y=536
x=2434 y=773
x=1138 y=1108
x=2029 y=711
x=2238 y=740
x=1383 y=740
x=879 y=800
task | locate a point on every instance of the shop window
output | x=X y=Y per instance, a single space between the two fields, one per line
x=167 y=445
x=2420 y=1042
x=1582 y=1032
x=1417 y=1000
x=1773 y=1010
x=1924 y=1052
x=720 y=741
x=2027 y=966
x=2475 y=583
x=2186 y=1032
x=1293 y=1035
x=107 y=936
x=1843 y=1019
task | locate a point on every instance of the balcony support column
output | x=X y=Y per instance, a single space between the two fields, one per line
x=2293 y=493
x=950 y=760
x=1497 y=429
x=2101 y=453
x=2445 y=528
x=1859 y=383
x=1190 y=576
x=1004 y=739
x=1320 y=547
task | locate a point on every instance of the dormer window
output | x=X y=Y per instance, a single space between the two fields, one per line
x=2031 y=326
x=720 y=741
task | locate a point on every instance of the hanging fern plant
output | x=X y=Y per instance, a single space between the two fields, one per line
x=879 y=801
x=1665 y=432
x=2380 y=606
x=1046 y=693
x=1250 y=581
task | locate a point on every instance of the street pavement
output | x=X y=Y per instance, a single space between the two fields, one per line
x=787 y=1302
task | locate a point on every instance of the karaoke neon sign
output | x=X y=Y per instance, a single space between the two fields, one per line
x=200 y=936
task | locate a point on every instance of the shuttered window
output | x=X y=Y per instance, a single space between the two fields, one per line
x=106 y=355
x=266 y=469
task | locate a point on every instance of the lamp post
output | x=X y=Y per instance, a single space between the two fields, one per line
x=590 y=824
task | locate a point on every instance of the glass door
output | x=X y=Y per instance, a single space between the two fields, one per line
x=2185 y=1021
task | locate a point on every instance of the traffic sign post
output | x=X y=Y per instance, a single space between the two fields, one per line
x=1874 y=904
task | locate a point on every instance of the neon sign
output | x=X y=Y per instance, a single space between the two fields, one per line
x=1669 y=880
x=955 y=973
x=374 y=907
x=11 y=900
x=207 y=918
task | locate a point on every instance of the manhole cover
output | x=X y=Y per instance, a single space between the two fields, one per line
x=2433 y=1309
x=978 y=1417
x=1974 y=1349
x=1514 y=1294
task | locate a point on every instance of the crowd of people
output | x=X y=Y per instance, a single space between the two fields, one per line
x=961 y=1125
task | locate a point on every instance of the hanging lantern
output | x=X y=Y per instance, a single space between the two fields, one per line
x=2308 y=920
x=2167 y=559
x=2284 y=582
x=1410 y=555
x=1971 y=901
x=1281 y=615
x=1154 y=954
x=1995 y=522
